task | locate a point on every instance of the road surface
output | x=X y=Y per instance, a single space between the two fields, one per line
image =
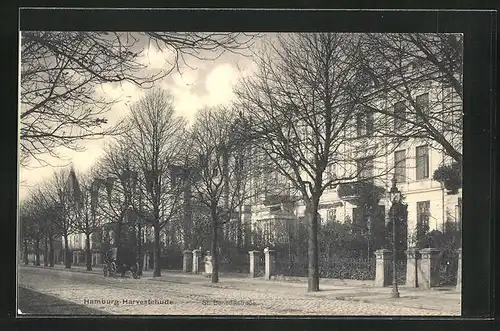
x=180 y=294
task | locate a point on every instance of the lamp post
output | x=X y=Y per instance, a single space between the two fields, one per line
x=395 y=197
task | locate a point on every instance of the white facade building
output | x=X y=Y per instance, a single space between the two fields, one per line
x=413 y=162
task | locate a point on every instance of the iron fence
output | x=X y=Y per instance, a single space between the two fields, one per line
x=348 y=268
x=345 y=268
x=400 y=272
x=235 y=264
x=171 y=262
x=448 y=269
x=291 y=268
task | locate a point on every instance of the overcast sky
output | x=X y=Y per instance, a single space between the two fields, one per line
x=209 y=83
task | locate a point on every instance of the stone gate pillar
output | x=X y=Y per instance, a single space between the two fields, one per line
x=412 y=267
x=196 y=261
x=187 y=261
x=459 y=271
x=254 y=263
x=429 y=276
x=383 y=267
x=270 y=260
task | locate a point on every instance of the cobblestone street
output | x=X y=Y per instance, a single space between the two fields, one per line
x=181 y=294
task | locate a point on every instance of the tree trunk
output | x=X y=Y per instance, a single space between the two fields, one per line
x=37 y=252
x=313 y=272
x=290 y=252
x=156 y=260
x=224 y=228
x=139 y=248
x=239 y=229
x=51 y=252
x=188 y=224
x=215 y=255
x=46 y=253
x=26 y=259
x=67 y=258
x=88 y=252
x=118 y=236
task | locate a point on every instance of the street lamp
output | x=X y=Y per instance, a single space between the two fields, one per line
x=394 y=196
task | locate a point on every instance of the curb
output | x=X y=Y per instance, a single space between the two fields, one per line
x=64 y=269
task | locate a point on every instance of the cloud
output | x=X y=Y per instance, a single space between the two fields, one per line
x=219 y=84
x=209 y=83
x=186 y=79
x=124 y=95
x=153 y=58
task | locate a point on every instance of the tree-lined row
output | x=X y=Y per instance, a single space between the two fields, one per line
x=313 y=104
x=158 y=172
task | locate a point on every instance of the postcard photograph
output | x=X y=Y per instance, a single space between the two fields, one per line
x=231 y=173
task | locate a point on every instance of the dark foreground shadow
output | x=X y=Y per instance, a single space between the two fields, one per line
x=34 y=303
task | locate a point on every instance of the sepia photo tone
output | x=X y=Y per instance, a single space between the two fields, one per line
x=170 y=173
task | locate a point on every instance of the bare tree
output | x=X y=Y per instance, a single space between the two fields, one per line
x=313 y=132
x=60 y=72
x=220 y=182
x=59 y=193
x=88 y=218
x=30 y=229
x=24 y=232
x=47 y=213
x=154 y=143
x=37 y=225
x=420 y=77
x=109 y=187
x=51 y=232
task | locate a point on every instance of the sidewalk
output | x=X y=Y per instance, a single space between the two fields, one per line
x=440 y=299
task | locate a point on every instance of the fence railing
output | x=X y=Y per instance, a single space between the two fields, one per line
x=237 y=264
x=346 y=268
x=448 y=269
x=400 y=272
x=291 y=268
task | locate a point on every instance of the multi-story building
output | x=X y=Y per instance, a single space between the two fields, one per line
x=386 y=144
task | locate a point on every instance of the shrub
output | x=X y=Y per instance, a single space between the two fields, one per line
x=450 y=176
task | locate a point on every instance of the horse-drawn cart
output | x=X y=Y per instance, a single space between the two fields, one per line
x=119 y=261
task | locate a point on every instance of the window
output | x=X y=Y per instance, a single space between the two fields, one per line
x=360 y=126
x=399 y=114
x=423 y=104
x=400 y=166
x=331 y=215
x=415 y=66
x=423 y=212
x=276 y=178
x=355 y=215
x=369 y=123
x=365 y=168
x=331 y=171
x=422 y=157
x=364 y=122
